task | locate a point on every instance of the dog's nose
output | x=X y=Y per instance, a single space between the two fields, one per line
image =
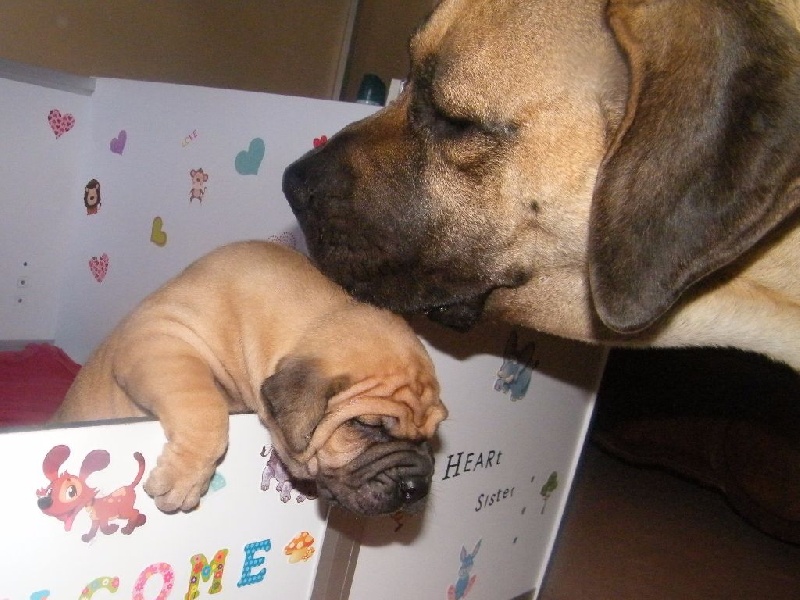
x=295 y=186
x=44 y=503
x=323 y=172
x=413 y=488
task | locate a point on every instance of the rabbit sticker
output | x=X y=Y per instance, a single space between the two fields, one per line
x=465 y=581
x=514 y=375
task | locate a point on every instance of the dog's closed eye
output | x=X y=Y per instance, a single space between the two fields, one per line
x=425 y=114
x=374 y=426
x=449 y=124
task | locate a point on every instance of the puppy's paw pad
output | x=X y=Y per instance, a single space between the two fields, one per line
x=172 y=494
x=173 y=488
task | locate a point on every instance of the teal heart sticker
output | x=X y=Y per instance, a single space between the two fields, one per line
x=248 y=161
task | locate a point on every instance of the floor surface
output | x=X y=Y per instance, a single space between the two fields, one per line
x=641 y=534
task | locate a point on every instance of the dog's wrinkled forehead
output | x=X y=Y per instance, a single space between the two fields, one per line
x=495 y=56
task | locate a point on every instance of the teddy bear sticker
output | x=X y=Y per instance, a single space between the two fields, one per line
x=91 y=197
x=199 y=180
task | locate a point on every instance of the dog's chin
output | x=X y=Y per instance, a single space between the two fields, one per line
x=370 y=500
x=400 y=282
x=459 y=311
x=462 y=315
x=398 y=480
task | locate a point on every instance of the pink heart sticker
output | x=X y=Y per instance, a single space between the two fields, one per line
x=60 y=124
x=99 y=267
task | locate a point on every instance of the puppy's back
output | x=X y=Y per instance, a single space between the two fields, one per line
x=210 y=305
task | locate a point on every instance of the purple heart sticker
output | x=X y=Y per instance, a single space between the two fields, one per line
x=117 y=144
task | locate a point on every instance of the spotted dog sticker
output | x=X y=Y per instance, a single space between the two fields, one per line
x=66 y=494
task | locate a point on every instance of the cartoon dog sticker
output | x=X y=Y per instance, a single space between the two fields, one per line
x=67 y=494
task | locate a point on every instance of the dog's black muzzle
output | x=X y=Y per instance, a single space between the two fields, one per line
x=386 y=478
x=372 y=237
x=316 y=179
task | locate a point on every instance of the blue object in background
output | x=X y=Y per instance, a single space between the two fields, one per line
x=372 y=90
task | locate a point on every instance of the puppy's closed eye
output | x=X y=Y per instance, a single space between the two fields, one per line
x=374 y=426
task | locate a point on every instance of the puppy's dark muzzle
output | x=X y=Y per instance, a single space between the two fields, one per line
x=384 y=479
x=412 y=489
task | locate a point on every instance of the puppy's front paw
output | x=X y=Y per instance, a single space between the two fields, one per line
x=179 y=479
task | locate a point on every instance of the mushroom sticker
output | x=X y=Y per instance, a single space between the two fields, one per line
x=300 y=548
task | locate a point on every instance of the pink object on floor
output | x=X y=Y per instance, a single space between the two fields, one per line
x=33 y=382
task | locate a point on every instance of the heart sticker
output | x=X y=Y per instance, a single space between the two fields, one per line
x=117 y=144
x=320 y=141
x=286 y=238
x=99 y=267
x=217 y=482
x=60 y=124
x=248 y=161
x=158 y=236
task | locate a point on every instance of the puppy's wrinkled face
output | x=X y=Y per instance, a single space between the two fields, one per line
x=463 y=184
x=358 y=421
x=368 y=470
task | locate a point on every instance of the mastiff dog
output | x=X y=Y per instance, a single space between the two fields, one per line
x=616 y=171
x=346 y=390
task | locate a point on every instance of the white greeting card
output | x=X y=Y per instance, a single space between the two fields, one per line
x=76 y=523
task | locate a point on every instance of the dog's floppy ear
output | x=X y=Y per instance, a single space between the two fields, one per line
x=296 y=397
x=706 y=160
x=53 y=460
x=96 y=460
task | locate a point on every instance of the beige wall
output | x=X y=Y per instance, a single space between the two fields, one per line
x=380 y=40
x=289 y=47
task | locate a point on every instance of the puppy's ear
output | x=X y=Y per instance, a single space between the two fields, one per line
x=707 y=159
x=296 y=397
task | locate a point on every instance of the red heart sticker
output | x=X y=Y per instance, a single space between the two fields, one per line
x=99 y=267
x=60 y=124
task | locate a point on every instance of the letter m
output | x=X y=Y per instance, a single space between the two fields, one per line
x=201 y=570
